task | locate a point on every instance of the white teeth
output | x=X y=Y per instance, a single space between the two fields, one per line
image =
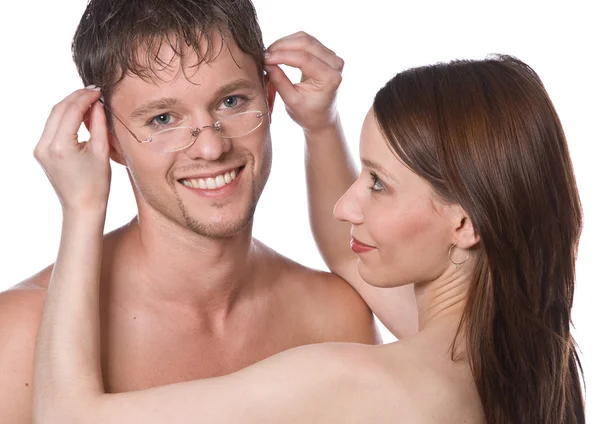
x=211 y=183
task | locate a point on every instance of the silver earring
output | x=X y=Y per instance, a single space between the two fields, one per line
x=458 y=264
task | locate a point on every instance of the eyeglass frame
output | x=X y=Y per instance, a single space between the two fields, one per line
x=195 y=131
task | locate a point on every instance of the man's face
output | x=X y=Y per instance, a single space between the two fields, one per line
x=213 y=186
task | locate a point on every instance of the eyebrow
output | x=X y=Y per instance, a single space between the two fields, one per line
x=153 y=106
x=370 y=164
x=168 y=102
x=239 y=84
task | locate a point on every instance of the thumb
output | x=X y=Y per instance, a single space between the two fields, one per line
x=98 y=129
x=282 y=83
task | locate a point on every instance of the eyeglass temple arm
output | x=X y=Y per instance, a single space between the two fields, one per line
x=101 y=100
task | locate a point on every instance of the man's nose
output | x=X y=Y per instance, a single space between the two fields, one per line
x=347 y=208
x=208 y=145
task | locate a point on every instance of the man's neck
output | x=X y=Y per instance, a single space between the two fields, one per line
x=171 y=265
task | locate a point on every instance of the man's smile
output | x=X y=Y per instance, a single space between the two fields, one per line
x=216 y=184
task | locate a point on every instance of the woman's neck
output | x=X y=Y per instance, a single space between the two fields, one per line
x=442 y=301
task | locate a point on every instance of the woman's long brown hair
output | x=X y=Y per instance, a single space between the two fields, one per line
x=485 y=135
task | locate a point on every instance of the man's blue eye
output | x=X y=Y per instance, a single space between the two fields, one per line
x=231 y=101
x=163 y=119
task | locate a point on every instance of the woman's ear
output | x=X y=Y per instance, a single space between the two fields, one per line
x=464 y=234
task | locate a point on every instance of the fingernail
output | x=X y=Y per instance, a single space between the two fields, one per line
x=267 y=55
x=91 y=87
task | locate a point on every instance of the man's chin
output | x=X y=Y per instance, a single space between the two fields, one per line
x=223 y=221
x=221 y=229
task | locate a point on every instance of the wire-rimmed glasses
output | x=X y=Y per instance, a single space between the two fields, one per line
x=180 y=138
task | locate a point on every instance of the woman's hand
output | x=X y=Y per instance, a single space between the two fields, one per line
x=67 y=362
x=311 y=103
x=79 y=171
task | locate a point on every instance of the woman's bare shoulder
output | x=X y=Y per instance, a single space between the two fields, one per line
x=433 y=387
x=396 y=383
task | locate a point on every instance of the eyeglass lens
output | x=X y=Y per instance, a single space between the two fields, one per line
x=235 y=126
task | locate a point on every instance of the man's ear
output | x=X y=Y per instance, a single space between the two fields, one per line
x=464 y=234
x=271 y=94
x=115 y=151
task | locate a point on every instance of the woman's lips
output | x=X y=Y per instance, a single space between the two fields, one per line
x=359 y=247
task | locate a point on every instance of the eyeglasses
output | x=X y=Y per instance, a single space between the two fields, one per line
x=180 y=138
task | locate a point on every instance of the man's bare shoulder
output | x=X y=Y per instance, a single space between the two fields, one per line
x=25 y=299
x=329 y=304
x=21 y=309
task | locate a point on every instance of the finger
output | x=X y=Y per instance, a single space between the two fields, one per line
x=296 y=37
x=56 y=115
x=287 y=37
x=74 y=111
x=305 y=42
x=311 y=66
x=282 y=83
x=98 y=128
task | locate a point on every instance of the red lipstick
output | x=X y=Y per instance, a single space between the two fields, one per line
x=359 y=247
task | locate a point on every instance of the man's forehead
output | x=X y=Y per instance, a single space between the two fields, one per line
x=174 y=69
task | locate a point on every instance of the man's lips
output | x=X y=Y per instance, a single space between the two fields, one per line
x=216 y=184
x=360 y=247
x=212 y=174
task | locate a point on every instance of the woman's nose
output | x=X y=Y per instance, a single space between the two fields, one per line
x=347 y=208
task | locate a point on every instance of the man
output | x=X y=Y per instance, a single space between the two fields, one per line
x=187 y=293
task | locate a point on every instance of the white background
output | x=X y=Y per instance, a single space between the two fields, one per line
x=376 y=38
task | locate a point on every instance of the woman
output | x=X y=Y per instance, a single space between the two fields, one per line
x=454 y=196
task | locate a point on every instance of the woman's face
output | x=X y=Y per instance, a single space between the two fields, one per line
x=400 y=232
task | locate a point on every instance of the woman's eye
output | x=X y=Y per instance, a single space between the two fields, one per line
x=377 y=184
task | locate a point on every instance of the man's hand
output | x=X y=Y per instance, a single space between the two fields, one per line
x=311 y=102
x=78 y=171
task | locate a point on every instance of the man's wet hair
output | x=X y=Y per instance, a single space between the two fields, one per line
x=116 y=38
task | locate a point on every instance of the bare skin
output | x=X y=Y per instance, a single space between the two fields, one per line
x=416 y=380
x=177 y=305
x=148 y=341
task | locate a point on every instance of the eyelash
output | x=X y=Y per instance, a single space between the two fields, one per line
x=241 y=98
x=152 y=124
x=376 y=182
